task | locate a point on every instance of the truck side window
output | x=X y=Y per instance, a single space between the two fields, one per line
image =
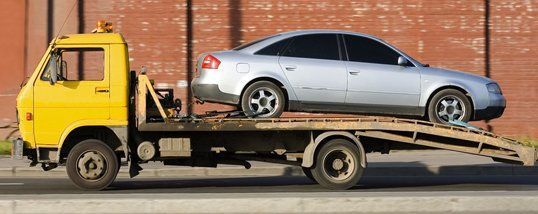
x=87 y=64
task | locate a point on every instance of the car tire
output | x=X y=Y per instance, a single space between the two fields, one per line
x=338 y=165
x=263 y=96
x=449 y=104
x=92 y=165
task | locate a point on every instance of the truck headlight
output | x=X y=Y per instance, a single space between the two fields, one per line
x=494 y=88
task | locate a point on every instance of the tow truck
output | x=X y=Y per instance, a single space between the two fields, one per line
x=83 y=108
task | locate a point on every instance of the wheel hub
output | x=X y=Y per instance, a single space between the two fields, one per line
x=91 y=165
x=263 y=102
x=450 y=108
x=339 y=164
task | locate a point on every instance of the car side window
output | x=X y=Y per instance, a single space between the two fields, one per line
x=314 y=46
x=274 y=49
x=362 y=49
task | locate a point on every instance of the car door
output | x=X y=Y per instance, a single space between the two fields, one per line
x=313 y=66
x=376 y=81
x=81 y=92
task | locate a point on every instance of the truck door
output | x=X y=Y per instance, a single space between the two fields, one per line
x=82 y=91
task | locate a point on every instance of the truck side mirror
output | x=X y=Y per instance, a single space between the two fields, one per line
x=402 y=61
x=63 y=69
x=54 y=71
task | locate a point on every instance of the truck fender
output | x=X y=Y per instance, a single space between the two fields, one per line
x=310 y=150
x=118 y=127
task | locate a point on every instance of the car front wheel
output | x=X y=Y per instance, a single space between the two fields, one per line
x=263 y=99
x=449 y=105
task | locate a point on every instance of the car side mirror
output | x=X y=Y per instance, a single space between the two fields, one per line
x=402 y=61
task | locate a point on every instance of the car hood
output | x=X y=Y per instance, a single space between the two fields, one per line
x=440 y=72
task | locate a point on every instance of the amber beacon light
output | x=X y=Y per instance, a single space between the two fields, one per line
x=103 y=27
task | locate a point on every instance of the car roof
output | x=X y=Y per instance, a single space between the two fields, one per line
x=314 y=31
x=251 y=49
x=284 y=35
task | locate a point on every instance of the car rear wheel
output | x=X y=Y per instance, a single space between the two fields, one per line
x=449 y=104
x=263 y=99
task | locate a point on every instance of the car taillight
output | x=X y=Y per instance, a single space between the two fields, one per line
x=210 y=62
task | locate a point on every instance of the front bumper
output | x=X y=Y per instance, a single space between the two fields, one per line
x=497 y=104
x=488 y=113
x=212 y=93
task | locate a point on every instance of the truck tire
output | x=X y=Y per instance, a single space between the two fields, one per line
x=338 y=165
x=308 y=173
x=92 y=165
x=449 y=104
x=263 y=99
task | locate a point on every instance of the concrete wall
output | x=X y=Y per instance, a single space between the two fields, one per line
x=444 y=33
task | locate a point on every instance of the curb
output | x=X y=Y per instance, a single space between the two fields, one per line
x=471 y=170
x=438 y=204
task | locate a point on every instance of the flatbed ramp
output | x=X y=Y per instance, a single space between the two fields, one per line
x=416 y=132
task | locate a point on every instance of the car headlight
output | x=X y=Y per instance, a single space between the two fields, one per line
x=494 y=88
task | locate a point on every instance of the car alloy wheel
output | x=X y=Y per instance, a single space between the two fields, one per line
x=263 y=101
x=450 y=108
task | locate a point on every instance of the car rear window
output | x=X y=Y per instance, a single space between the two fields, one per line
x=274 y=49
x=314 y=46
x=243 y=46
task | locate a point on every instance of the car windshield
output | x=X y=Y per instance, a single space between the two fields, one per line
x=243 y=46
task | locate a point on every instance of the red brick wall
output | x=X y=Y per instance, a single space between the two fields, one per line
x=444 y=33
x=12 y=41
x=514 y=53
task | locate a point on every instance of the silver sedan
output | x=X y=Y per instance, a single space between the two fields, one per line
x=340 y=71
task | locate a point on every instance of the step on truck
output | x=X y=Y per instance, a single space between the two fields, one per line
x=83 y=108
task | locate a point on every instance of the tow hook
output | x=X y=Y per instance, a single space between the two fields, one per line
x=48 y=166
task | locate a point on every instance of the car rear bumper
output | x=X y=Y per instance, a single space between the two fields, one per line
x=212 y=93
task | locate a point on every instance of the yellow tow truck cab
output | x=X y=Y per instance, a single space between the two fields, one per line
x=91 y=89
x=83 y=108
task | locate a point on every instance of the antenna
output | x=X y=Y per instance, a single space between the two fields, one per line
x=65 y=20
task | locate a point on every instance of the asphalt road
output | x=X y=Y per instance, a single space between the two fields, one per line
x=479 y=185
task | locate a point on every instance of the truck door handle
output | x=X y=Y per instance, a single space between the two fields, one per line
x=290 y=67
x=102 y=90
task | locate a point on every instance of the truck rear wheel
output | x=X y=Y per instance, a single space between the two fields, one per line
x=92 y=165
x=338 y=165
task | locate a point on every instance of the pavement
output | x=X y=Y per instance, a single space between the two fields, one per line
x=402 y=182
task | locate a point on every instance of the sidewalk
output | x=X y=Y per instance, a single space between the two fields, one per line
x=398 y=163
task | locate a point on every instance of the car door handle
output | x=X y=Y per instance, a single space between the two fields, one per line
x=102 y=90
x=290 y=67
x=354 y=72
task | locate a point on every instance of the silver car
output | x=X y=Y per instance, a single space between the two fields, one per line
x=340 y=71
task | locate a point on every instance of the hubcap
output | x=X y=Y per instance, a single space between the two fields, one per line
x=91 y=165
x=339 y=164
x=263 y=101
x=450 y=108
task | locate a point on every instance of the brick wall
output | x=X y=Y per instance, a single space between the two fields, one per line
x=445 y=33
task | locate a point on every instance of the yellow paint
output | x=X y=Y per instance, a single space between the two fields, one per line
x=62 y=107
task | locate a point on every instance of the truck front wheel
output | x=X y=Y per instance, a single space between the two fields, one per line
x=338 y=165
x=92 y=165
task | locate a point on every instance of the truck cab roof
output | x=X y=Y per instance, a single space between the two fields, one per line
x=91 y=38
